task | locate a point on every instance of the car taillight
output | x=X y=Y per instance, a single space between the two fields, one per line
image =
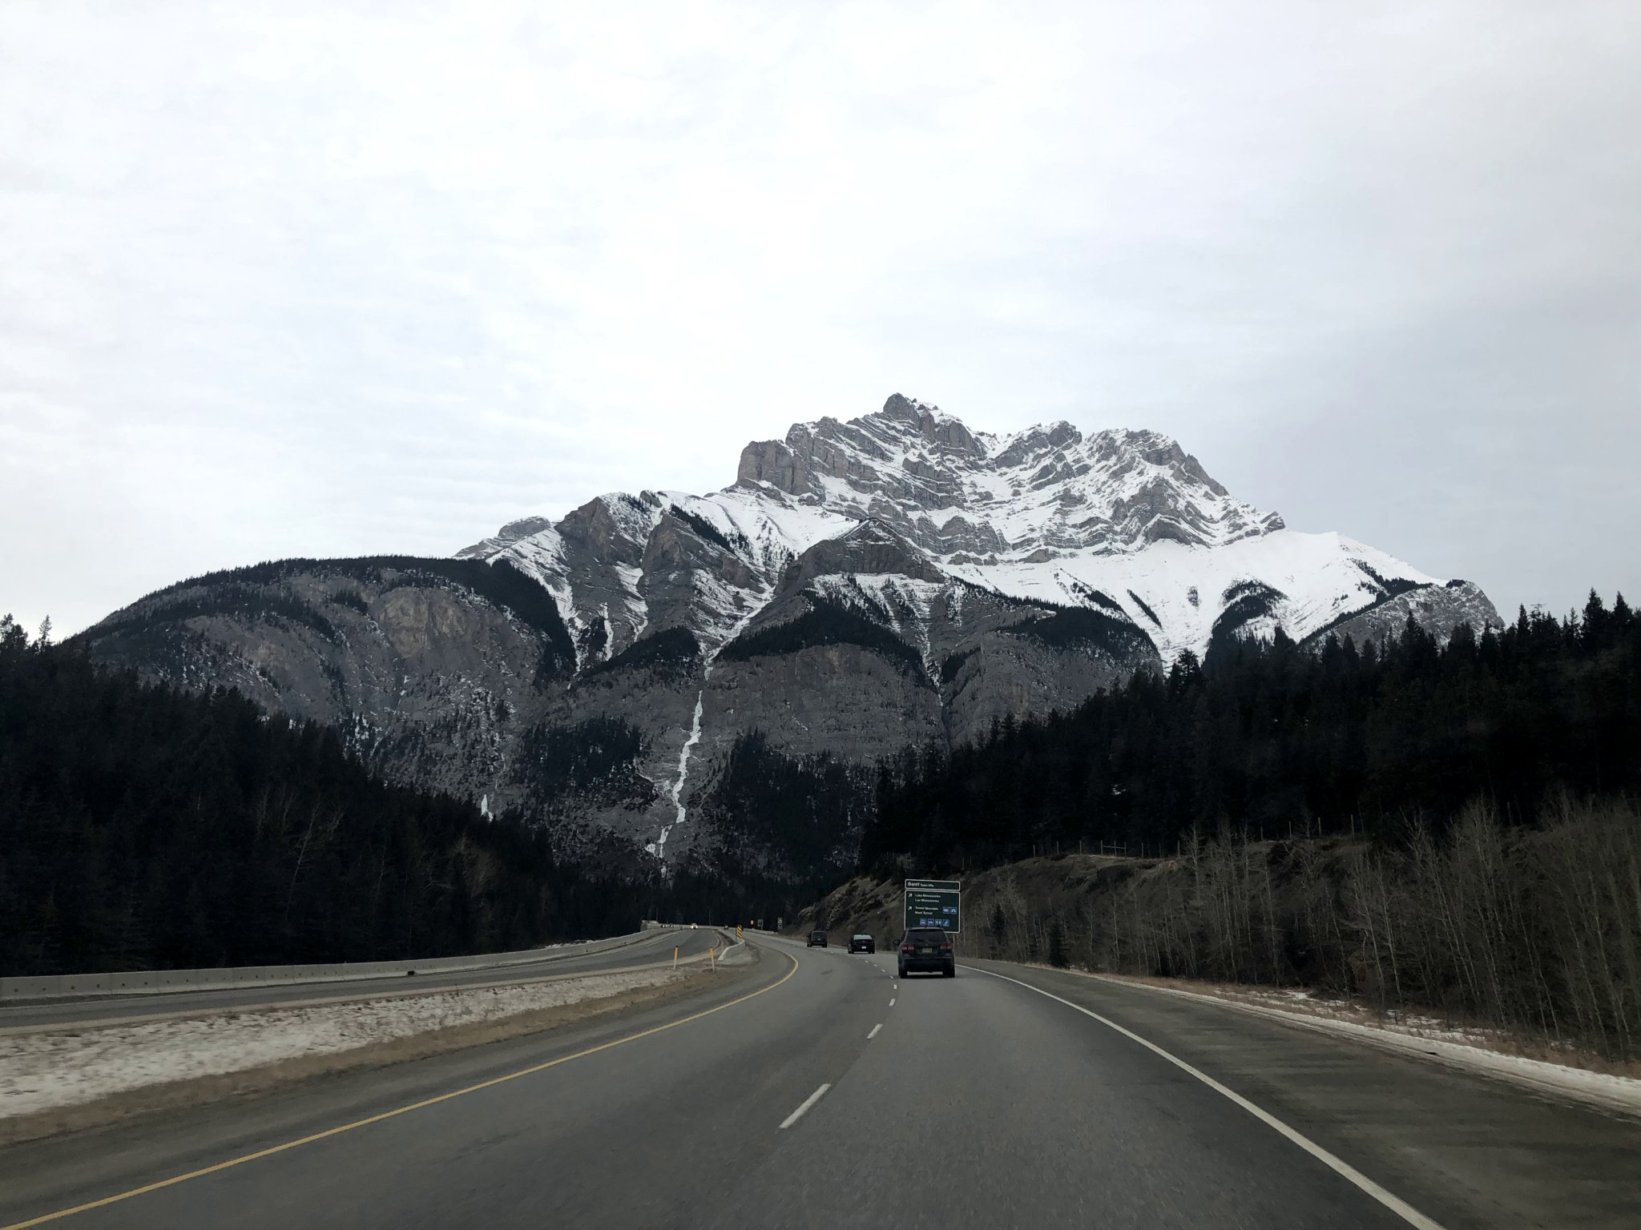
x=946 y=946
x=905 y=948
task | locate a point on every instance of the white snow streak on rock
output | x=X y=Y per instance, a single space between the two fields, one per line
x=660 y=847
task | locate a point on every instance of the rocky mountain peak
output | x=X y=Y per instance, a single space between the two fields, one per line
x=868 y=585
x=974 y=497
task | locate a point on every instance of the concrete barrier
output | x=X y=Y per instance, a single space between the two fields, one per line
x=737 y=953
x=159 y=982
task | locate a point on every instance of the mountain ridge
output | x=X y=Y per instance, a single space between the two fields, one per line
x=1044 y=513
x=863 y=586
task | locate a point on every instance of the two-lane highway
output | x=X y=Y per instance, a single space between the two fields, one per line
x=979 y=1104
x=815 y=1088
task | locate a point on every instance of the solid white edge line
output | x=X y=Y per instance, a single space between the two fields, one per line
x=1390 y=1200
x=807 y=1103
x=875 y=1028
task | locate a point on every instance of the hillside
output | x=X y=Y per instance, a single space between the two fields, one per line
x=1535 y=931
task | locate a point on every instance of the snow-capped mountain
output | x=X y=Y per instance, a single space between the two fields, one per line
x=1124 y=522
x=863 y=587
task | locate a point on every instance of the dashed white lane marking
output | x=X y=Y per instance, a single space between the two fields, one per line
x=807 y=1103
x=891 y=1001
x=875 y=1028
x=1394 y=1203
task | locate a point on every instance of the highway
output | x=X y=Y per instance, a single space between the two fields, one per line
x=646 y=948
x=814 y=1088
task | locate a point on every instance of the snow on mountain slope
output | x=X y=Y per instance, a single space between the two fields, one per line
x=629 y=551
x=863 y=587
x=1121 y=521
x=1178 y=592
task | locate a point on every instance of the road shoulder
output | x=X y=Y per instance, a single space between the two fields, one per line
x=1464 y=1148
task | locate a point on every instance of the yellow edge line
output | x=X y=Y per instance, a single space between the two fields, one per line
x=391 y=1114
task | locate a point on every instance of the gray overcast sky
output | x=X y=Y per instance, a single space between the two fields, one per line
x=290 y=279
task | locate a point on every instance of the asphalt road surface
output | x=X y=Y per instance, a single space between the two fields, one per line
x=647 y=948
x=814 y=1088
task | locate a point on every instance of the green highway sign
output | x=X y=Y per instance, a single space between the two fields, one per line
x=934 y=903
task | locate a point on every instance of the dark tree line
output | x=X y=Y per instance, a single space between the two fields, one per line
x=142 y=827
x=1275 y=738
x=826 y=622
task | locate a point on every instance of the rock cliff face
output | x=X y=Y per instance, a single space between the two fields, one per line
x=862 y=588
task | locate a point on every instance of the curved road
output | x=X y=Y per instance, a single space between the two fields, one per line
x=816 y=1089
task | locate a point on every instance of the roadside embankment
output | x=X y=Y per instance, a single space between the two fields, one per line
x=1530 y=938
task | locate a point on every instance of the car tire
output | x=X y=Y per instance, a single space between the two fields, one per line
x=902 y=971
x=949 y=972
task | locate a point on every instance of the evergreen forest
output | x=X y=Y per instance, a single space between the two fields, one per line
x=147 y=828
x=1270 y=738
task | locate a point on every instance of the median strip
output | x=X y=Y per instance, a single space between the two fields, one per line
x=67 y=1076
x=357 y=1124
x=61 y=1070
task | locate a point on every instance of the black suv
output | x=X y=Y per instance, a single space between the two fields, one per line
x=817 y=939
x=927 y=948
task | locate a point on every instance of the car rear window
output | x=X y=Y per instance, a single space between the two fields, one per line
x=926 y=935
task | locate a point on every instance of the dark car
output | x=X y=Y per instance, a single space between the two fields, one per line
x=927 y=948
x=817 y=939
x=862 y=943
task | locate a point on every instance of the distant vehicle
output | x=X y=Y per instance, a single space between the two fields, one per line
x=929 y=949
x=862 y=943
x=817 y=939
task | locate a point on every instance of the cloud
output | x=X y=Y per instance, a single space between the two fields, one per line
x=308 y=279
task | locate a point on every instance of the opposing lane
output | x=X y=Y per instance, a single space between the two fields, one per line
x=925 y=1102
x=648 y=949
x=619 y=1136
